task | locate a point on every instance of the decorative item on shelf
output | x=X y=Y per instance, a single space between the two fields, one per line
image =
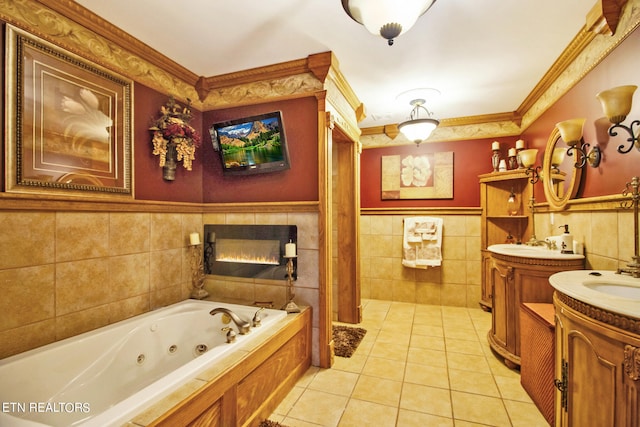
x=513 y=204
x=513 y=162
x=571 y=134
x=495 y=157
x=418 y=129
x=502 y=166
x=509 y=239
x=197 y=271
x=174 y=139
x=290 y=254
x=388 y=18
x=519 y=148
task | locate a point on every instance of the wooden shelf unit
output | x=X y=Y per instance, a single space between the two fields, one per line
x=496 y=223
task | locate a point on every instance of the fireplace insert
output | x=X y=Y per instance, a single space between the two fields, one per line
x=254 y=251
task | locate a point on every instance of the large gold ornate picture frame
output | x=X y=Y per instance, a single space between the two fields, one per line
x=68 y=122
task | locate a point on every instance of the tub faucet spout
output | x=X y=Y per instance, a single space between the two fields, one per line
x=243 y=325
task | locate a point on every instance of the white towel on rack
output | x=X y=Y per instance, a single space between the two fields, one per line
x=422 y=241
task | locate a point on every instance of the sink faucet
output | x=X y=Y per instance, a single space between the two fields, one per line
x=550 y=244
x=243 y=325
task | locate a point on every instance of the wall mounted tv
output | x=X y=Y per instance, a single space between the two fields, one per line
x=251 y=145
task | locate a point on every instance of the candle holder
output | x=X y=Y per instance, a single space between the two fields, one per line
x=290 y=306
x=513 y=162
x=197 y=272
x=519 y=158
x=495 y=160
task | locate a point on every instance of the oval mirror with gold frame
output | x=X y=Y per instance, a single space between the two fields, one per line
x=560 y=178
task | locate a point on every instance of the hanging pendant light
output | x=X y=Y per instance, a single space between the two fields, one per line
x=386 y=18
x=417 y=129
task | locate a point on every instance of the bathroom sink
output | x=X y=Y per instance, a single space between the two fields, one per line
x=608 y=290
x=616 y=290
x=526 y=251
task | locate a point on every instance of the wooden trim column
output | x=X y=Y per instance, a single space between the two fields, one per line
x=348 y=218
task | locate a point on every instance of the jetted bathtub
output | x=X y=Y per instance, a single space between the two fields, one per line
x=105 y=377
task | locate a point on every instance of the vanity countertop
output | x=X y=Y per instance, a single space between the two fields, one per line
x=603 y=289
x=526 y=251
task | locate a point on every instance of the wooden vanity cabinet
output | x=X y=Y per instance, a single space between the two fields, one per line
x=597 y=366
x=515 y=280
x=497 y=222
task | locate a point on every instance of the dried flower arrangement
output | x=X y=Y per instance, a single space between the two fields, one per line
x=174 y=139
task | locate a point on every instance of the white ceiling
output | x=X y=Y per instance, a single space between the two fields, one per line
x=484 y=56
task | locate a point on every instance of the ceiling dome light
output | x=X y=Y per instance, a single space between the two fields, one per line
x=386 y=18
x=417 y=129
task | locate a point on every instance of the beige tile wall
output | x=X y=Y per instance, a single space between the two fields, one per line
x=64 y=273
x=306 y=287
x=455 y=283
x=607 y=235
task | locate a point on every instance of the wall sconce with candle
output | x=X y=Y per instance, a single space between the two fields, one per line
x=571 y=134
x=290 y=253
x=197 y=270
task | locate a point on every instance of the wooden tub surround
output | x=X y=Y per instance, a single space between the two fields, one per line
x=245 y=387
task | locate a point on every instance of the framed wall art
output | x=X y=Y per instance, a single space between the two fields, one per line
x=423 y=176
x=69 y=122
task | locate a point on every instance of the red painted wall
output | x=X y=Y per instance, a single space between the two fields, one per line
x=299 y=183
x=205 y=183
x=621 y=67
x=149 y=184
x=470 y=159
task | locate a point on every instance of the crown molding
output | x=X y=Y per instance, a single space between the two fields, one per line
x=87 y=19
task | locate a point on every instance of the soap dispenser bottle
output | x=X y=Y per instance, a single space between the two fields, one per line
x=566 y=246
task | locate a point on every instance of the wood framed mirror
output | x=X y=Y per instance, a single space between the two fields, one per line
x=561 y=178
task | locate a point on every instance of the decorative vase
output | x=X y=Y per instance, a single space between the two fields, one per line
x=171 y=162
x=513 y=207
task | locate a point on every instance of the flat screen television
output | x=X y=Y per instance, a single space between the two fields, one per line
x=251 y=145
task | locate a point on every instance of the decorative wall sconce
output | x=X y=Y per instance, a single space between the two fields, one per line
x=571 y=134
x=528 y=158
x=616 y=104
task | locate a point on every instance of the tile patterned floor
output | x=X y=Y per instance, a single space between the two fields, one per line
x=418 y=365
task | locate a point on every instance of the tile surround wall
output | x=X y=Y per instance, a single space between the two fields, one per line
x=607 y=235
x=455 y=283
x=64 y=273
x=306 y=287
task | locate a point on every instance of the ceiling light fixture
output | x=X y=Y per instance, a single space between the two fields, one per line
x=417 y=129
x=387 y=18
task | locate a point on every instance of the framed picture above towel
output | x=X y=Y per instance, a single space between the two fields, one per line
x=426 y=176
